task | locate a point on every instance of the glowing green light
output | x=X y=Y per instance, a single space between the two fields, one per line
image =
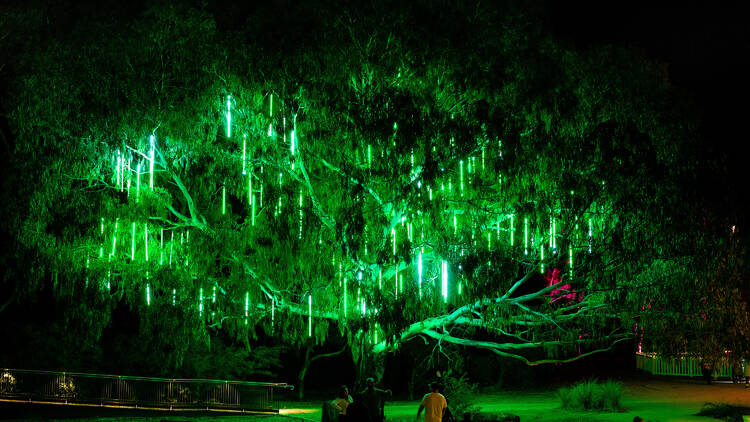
x=461 y=167
x=229 y=116
x=270 y=107
x=151 y=164
x=161 y=248
x=525 y=236
x=132 y=246
x=444 y=279
x=171 y=245
x=591 y=233
x=200 y=301
x=369 y=157
x=459 y=288
x=174 y=297
x=489 y=240
x=542 y=258
x=247 y=303
x=401 y=283
x=252 y=211
x=292 y=146
x=244 y=151
x=148 y=295
x=512 y=229
x=114 y=238
x=393 y=233
x=223 y=200
x=570 y=255
x=380 y=279
x=300 y=214
x=344 y=297
x=273 y=313
x=482 y=158
x=213 y=297
x=270 y=130
x=455 y=223
x=138 y=182
x=419 y=272
x=309 y=319
x=554 y=234
x=145 y=236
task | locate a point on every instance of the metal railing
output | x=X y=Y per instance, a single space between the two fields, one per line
x=686 y=366
x=138 y=392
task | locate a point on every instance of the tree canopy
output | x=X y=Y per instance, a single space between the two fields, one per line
x=379 y=173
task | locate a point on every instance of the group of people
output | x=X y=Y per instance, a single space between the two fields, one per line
x=369 y=405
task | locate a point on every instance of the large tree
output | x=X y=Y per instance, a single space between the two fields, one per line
x=438 y=171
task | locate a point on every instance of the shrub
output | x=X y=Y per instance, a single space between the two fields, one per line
x=591 y=395
x=724 y=412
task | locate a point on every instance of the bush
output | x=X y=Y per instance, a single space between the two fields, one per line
x=591 y=395
x=724 y=412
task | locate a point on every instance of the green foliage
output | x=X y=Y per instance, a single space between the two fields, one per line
x=591 y=395
x=549 y=131
x=460 y=394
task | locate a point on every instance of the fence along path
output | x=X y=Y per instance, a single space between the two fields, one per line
x=53 y=387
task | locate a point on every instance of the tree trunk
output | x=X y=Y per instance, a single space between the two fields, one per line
x=306 y=362
x=302 y=373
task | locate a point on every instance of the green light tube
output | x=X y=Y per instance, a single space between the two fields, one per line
x=223 y=199
x=512 y=229
x=132 y=246
x=261 y=193
x=393 y=233
x=252 y=211
x=145 y=236
x=249 y=188
x=482 y=158
x=138 y=182
x=570 y=255
x=114 y=238
x=213 y=297
x=525 y=236
x=244 y=152
x=247 y=303
x=171 y=248
x=309 y=319
x=270 y=130
x=229 y=116
x=542 y=259
x=489 y=240
x=200 y=302
x=380 y=279
x=273 y=313
x=292 y=138
x=300 y=213
x=401 y=283
x=461 y=171
x=591 y=233
x=444 y=280
x=419 y=271
x=161 y=248
x=459 y=288
x=101 y=227
x=369 y=157
x=550 y=232
x=148 y=295
x=151 y=164
x=271 y=107
x=554 y=234
x=174 y=297
x=455 y=223
x=344 y=297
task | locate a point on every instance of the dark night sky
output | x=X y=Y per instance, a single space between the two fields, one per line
x=705 y=48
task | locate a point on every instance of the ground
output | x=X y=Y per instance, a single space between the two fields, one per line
x=655 y=400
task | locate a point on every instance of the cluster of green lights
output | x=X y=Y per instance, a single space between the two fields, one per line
x=428 y=264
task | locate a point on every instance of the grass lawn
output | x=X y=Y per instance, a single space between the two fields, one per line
x=653 y=399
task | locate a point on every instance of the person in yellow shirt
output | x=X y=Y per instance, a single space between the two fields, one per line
x=434 y=405
x=342 y=402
